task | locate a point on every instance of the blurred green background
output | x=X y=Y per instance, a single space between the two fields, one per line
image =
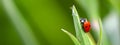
x=39 y=22
x=44 y=17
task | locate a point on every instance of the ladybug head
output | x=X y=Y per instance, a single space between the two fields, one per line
x=82 y=20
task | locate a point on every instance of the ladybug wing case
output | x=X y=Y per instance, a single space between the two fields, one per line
x=86 y=26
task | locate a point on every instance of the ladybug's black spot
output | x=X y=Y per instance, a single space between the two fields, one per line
x=86 y=26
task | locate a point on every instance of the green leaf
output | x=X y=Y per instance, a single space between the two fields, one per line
x=101 y=28
x=92 y=41
x=75 y=40
x=80 y=34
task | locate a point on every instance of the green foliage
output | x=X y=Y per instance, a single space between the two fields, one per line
x=19 y=22
x=90 y=6
x=115 y=4
x=83 y=37
x=30 y=22
x=100 y=36
x=75 y=40
x=80 y=34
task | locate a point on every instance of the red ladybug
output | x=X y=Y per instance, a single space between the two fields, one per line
x=85 y=25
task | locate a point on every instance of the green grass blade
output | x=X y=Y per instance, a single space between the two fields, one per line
x=80 y=34
x=92 y=41
x=75 y=40
x=101 y=28
x=77 y=25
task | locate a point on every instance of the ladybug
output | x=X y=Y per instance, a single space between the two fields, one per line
x=85 y=24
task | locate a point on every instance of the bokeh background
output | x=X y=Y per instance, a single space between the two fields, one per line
x=39 y=22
